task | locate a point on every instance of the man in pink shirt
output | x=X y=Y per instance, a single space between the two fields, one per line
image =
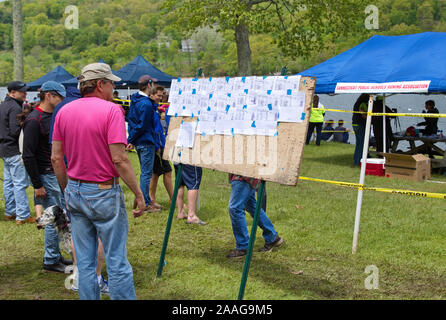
x=90 y=133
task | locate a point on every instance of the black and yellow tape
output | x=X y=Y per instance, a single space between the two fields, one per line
x=386 y=190
x=421 y=115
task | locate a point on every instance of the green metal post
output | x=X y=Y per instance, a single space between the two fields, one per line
x=252 y=239
x=169 y=220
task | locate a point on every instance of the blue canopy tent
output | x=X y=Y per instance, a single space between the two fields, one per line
x=413 y=60
x=72 y=82
x=384 y=64
x=59 y=74
x=139 y=66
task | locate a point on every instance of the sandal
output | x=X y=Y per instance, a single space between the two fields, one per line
x=199 y=222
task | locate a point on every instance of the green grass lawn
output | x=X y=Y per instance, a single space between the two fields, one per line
x=403 y=236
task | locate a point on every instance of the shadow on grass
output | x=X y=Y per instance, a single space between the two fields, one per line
x=274 y=274
x=26 y=280
x=406 y=283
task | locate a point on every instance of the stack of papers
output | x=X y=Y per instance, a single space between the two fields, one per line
x=240 y=105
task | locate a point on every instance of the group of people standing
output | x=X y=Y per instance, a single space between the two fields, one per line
x=75 y=154
x=378 y=125
x=360 y=108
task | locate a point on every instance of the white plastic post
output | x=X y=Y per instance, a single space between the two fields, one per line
x=362 y=176
x=384 y=123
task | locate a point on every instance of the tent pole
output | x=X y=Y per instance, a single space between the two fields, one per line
x=252 y=239
x=384 y=124
x=169 y=220
x=362 y=177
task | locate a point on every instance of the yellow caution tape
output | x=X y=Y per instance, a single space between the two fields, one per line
x=386 y=190
x=344 y=184
x=421 y=115
x=380 y=114
x=326 y=131
x=121 y=100
x=410 y=193
x=337 y=110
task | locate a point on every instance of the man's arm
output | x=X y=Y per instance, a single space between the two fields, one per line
x=14 y=128
x=31 y=139
x=57 y=160
x=125 y=170
x=135 y=123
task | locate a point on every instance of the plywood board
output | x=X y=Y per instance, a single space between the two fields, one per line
x=269 y=158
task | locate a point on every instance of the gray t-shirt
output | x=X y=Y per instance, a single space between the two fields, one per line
x=339 y=136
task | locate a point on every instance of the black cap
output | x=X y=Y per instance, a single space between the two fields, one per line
x=17 y=86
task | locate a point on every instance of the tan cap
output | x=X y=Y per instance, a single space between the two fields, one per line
x=97 y=71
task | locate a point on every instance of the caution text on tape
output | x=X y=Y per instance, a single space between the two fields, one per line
x=386 y=190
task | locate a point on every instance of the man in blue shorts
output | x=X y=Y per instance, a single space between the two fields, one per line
x=191 y=178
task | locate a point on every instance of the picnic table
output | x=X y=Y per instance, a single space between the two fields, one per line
x=427 y=143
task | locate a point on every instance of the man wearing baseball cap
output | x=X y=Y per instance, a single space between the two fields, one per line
x=15 y=179
x=37 y=159
x=90 y=132
x=141 y=126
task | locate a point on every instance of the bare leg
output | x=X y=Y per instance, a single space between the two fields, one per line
x=192 y=202
x=152 y=188
x=101 y=258
x=39 y=210
x=167 y=179
x=180 y=203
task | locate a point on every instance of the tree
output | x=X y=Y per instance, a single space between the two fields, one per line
x=425 y=15
x=297 y=25
x=18 y=39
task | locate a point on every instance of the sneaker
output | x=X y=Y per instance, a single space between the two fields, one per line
x=103 y=285
x=57 y=267
x=269 y=246
x=29 y=220
x=237 y=253
x=65 y=261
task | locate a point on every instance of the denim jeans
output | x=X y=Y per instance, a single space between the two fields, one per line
x=146 y=155
x=97 y=212
x=243 y=197
x=359 y=144
x=14 y=188
x=53 y=198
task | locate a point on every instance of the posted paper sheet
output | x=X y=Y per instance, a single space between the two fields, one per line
x=240 y=105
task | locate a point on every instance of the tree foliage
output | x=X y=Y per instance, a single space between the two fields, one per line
x=295 y=33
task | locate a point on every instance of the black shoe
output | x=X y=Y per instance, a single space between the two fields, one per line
x=237 y=253
x=269 y=246
x=57 y=267
x=65 y=262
